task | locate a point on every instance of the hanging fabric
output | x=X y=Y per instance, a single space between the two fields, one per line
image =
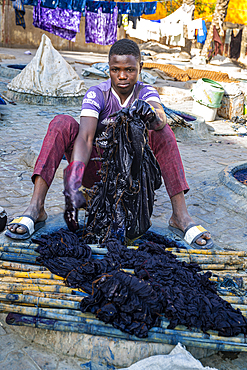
x=134 y=9
x=19 y=13
x=235 y=45
x=60 y=22
x=101 y=28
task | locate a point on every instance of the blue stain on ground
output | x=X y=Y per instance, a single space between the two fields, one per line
x=96 y=366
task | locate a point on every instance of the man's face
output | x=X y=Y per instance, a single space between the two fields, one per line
x=124 y=73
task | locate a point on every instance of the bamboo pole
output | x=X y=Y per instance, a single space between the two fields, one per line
x=39 y=301
x=30 y=275
x=157 y=335
x=18 y=250
x=17 y=258
x=219 y=267
x=208 y=252
x=21 y=266
x=18 y=288
x=13 y=280
x=63 y=296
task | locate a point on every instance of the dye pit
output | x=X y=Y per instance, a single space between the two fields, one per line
x=241 y=176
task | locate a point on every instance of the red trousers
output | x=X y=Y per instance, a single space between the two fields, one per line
x=60 y=138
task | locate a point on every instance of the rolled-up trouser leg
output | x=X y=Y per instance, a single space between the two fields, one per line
x=164 y=146
x=59 y=140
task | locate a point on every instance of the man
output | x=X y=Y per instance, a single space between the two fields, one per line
x=66 y=136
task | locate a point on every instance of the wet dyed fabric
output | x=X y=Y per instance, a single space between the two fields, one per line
x=101 y=28
x=161 y=284
x=121 y=204
x=60 y=22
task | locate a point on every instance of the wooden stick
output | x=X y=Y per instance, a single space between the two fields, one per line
x=31 y=274
x=21 y=267
x=13 y=280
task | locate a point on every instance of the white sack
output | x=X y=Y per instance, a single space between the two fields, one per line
x=178 y=359
x=48 y=74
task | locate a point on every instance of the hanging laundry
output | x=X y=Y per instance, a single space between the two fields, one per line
x=125 y=21
x=145 y=30
x=197 y=28
x=133 y=20
x=235 y=44
x=101 y=28
x=160 y=13
x=60 y=22
x=202 y=34
x=218 y=46
x=19 y=13
x=173 y=25
x=30 y=2
x=52 y=4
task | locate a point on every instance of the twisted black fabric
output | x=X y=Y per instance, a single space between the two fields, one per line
x=134 y=303
x=121 y=204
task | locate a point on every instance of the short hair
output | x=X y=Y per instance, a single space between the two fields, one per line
x=125 y=47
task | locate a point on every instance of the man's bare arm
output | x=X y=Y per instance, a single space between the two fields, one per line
x=161 y=116
x=84 y=141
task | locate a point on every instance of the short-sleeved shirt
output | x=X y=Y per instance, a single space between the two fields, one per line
x=100 y=101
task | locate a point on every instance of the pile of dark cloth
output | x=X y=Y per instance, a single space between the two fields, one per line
x=133 y=303
x=121 y=204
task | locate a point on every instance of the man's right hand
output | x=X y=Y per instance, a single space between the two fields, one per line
x=74 y=198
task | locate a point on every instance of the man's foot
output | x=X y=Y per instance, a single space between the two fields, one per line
x=186 y=221
x=36 y=214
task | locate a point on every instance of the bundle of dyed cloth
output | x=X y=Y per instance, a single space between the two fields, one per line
x=121 y=204
x=134 y=303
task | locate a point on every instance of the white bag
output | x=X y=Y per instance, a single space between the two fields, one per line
x=178 y=359
x=48 y=74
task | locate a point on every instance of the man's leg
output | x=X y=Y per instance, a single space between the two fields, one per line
x=164 y=146
x=59 y=140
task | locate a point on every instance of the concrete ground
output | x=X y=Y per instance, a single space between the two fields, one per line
x=209 y=202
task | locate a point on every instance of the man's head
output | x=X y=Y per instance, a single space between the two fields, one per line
x=125 y=66
x=125 y=47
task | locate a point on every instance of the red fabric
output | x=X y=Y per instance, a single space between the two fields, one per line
x=60 y=138
x=217 y=42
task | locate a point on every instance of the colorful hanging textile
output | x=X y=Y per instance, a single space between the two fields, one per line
x=19 y=13
x=134 y=9
x=101 y=28
x=60 y=22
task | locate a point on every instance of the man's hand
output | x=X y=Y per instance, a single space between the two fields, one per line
x=148 y=114
x=144 y=110
x=74 y=198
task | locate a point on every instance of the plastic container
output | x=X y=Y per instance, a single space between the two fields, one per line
x=208 y=92
x=201 y=110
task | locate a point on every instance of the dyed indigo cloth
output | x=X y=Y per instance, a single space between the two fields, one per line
x=101 y=28
x=60 y=22
x=161 y=284
x=121 y=204
x=19 y=13
x=134 y=9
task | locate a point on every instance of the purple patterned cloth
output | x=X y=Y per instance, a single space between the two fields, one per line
x=61 y=22
x=101 y=28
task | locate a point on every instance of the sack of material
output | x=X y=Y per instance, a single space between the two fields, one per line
x=48 y=74
x=178 y=359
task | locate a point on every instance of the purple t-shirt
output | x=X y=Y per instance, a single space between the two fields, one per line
x=100 y=101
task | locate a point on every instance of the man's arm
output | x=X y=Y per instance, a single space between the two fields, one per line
x=160 y=122
x=84 y=141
